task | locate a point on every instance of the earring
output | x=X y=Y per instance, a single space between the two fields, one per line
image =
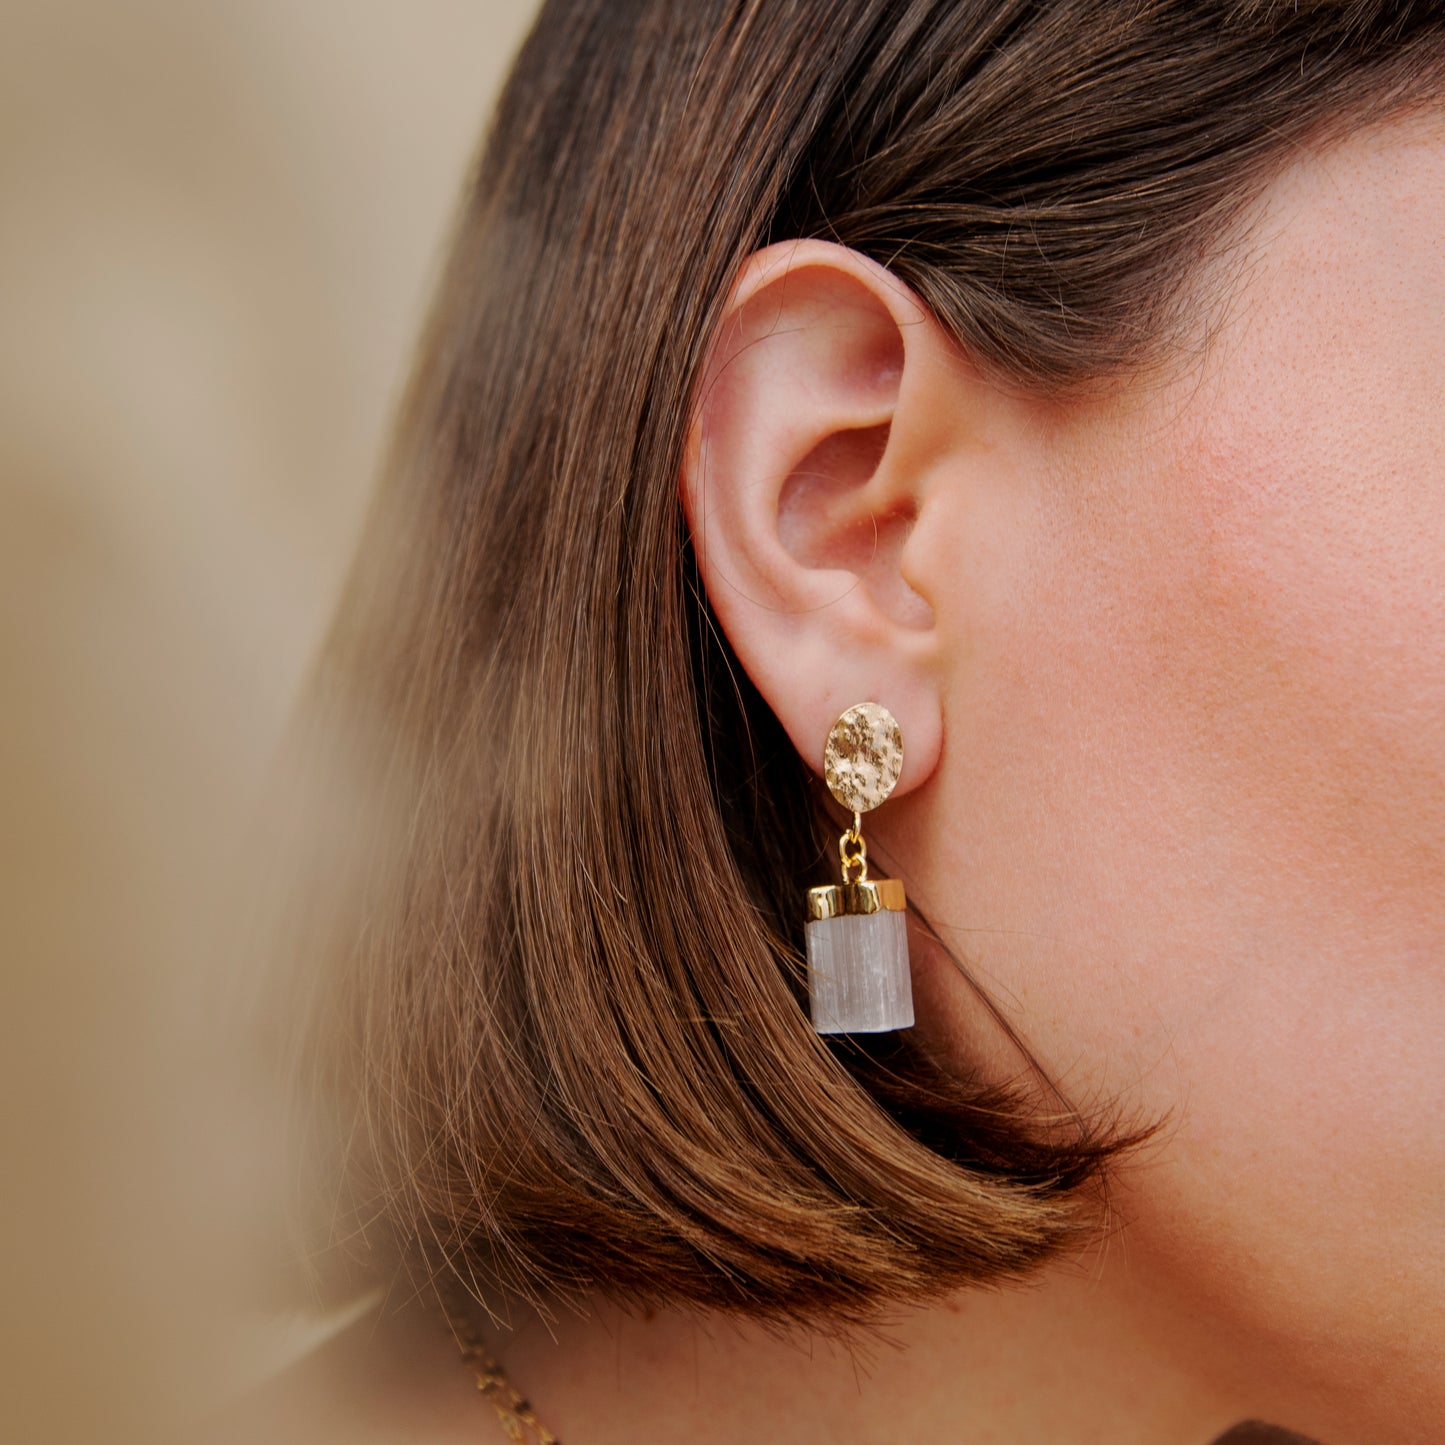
x=858 y=979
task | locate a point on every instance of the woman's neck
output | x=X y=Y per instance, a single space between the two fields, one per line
x=1068 y=1359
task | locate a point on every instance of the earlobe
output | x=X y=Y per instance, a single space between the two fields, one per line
x=819 y=426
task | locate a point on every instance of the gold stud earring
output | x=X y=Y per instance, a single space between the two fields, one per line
x=858 y=978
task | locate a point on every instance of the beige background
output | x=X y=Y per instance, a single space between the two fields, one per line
x=217 y=229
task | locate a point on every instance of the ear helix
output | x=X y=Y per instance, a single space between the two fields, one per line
x=858 y=978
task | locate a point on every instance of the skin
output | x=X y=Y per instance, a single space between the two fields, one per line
x=1169 y=663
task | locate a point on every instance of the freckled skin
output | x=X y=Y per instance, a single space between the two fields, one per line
x=1190 y=823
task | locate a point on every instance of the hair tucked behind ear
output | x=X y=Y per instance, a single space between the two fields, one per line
x=550 y=1031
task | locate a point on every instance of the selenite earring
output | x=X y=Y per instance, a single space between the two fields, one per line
x=858 y=979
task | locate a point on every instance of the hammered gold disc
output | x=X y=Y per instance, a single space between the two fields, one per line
x=863 y=756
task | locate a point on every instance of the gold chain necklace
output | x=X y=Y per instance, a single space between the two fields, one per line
x=518 y=1421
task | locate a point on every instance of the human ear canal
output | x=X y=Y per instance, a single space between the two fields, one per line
x=825 y=520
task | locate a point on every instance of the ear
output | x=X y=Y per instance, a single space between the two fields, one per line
x=831 y=402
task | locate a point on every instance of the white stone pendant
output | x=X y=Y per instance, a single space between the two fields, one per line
x=858 y=977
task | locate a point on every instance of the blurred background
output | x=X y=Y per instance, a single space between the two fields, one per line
x=218 y=229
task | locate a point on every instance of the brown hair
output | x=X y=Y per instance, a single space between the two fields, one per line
x=555 y=1036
